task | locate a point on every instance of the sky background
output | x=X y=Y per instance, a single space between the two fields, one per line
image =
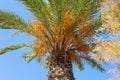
x=13 y=66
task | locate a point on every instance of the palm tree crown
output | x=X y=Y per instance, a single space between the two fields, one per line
x=60 y=25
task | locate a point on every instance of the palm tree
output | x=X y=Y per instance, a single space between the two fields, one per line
x=64 y=30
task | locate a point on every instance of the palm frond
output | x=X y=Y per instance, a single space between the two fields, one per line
x=14 y=47
x=11 y=21
x=29 y=56
x=80 y=64
x=39 y=9
x=16 y=33
x=110 y=16
x=109 y=49
x=92 y=62
x=79 y=59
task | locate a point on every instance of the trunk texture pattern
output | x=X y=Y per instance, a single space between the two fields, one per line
x=60 y=67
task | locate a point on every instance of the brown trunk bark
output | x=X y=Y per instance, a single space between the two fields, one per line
x=60 y=67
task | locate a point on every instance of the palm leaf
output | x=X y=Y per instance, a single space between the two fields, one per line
x=11 y=21
x=14 y=47
x=38 y=8
x=92 y=62
x=29 y=56
x=79 y=64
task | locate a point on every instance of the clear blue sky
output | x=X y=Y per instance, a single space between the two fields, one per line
x=12 y=65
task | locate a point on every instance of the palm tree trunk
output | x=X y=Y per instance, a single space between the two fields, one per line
x=60 y=67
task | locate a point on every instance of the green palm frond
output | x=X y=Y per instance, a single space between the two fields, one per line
x=14 y=47
x=44 y=10
x=80 y=64
x=92 y=62
x=86 y=59
x=11 y=21
x=86 y=6
x=97 y=24
x=29 y=56
x=41 y=11
x=16 y=33
x=38 y=8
